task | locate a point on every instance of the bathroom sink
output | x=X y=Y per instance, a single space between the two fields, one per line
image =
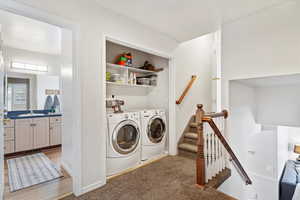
x=31 y=115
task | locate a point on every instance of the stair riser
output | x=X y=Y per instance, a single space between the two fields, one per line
x=190 y=141
x=187 y=154
x=193 y=129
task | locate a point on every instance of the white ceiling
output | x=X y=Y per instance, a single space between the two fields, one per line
x=25 y=33
x=272 y=81
x=185 y=19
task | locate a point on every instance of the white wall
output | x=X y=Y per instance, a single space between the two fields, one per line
x=193 y=58
x=282 y=149
x=262 y=44
x=278 y=105
x=265 y=161
x=24 y=33
x=241 y=125
x=94 y=21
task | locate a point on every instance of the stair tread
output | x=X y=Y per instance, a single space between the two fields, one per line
x=193 y=124
x=191 y=135
x=219 y=179
x=188 y=147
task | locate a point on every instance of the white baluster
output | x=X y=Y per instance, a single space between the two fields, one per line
x=209 y=153
x=205 y=137
x=222 y=159
x=223 y=148
x=218 y=149
x=215 y=154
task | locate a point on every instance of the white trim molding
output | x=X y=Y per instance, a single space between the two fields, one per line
x=27 y=11
x=67 y=168
x=92 y=186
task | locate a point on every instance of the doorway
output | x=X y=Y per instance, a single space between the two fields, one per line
x=59 y=155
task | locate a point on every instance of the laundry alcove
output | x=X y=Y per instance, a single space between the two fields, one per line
x=141 y=79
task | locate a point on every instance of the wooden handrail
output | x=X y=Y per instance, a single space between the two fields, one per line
x=202 y=117
x=224 y=114
x=186 y=90
x=229 y=150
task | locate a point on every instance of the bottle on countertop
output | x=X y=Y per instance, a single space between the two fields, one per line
x=130 y=80
x=134 y=79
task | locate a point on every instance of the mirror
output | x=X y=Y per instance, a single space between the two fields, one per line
x=24 y=91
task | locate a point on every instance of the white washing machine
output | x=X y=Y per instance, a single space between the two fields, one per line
x=154 y=133
x=123 y=142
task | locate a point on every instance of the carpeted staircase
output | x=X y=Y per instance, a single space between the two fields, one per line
x=187 y=147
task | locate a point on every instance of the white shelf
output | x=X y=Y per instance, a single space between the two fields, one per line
x=132 y=69
x=129 y=85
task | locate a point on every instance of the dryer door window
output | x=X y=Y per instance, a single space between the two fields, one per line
x=156 y=129
x=126 y=137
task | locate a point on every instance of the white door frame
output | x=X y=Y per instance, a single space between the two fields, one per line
x=172 y=145
x=24 y=10
x=1 y=118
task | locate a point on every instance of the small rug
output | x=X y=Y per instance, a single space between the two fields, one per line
x=31 y=170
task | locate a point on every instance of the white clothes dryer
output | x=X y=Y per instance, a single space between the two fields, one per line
x=154 y=133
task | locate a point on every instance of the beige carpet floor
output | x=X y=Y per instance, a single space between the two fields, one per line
x=172 y=177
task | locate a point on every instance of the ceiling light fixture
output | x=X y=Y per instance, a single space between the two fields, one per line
x=30 y=67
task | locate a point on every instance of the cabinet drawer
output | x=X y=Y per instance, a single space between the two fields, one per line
x=9 y=133
x=55 y=119
x=9 y=146
x=23 y=121
x=9 y=124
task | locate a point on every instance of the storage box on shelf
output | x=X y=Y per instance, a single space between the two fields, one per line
x=125 y=71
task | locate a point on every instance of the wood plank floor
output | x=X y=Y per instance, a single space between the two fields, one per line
x=45 y=191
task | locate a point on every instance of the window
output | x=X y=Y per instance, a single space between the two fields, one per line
x=17 y=94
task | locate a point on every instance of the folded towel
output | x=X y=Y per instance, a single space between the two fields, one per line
x=56 y=104
x=48 y=103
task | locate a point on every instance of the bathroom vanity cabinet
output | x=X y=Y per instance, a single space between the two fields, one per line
x=31 y=133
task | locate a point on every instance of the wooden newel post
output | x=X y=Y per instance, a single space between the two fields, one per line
x=200 y=162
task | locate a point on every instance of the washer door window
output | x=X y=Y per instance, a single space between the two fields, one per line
x=126 y=137
x=156 y=129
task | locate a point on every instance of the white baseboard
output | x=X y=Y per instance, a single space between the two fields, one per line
x=91 y=187
x=67 y=168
